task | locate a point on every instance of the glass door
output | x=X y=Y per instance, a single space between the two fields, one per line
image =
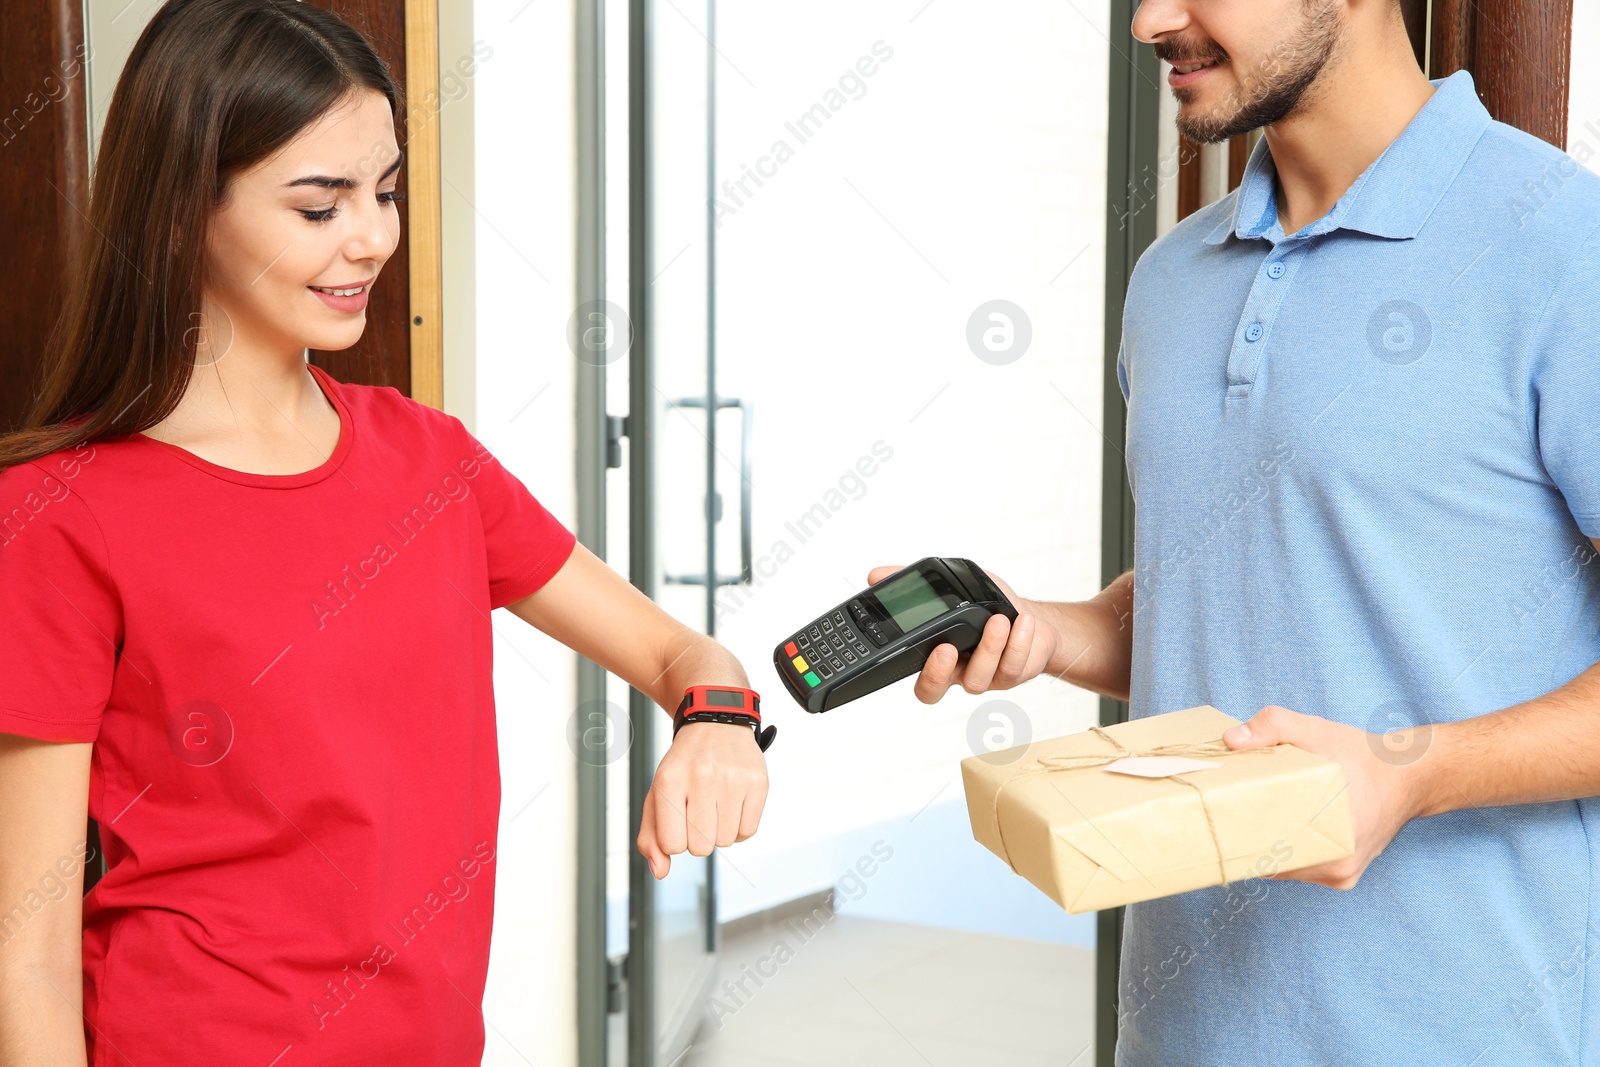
x=665 y=507
x=910 y=297
x=814 y=223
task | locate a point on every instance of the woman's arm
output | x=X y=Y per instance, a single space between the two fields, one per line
x=594 y=611
x=44 y=801
x=711 y=785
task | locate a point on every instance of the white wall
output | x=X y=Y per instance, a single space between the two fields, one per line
x=508 y=374
x=110 y=28
x=1583 y=100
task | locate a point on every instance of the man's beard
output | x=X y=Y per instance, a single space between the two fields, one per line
x=1274 y=90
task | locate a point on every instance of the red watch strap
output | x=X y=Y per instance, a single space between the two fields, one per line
x=748 y=713
x=697 y=698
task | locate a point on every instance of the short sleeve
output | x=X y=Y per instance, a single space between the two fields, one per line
x=1566 y=387
x=62 y=615
x=525 y=543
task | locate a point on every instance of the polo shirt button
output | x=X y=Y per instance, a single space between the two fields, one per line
x=1276 y=270
x=1253 y=332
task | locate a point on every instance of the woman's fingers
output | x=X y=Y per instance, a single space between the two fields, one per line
x=750 y=812
x=649 y=843
x=701 y=815
x=709 y=792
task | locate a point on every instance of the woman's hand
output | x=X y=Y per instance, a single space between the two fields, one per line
x=708 y=792
x=710 y=787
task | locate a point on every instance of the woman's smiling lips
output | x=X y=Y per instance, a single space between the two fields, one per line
x=351 y=302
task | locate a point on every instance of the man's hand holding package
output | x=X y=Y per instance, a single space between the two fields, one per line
x=1380 y=769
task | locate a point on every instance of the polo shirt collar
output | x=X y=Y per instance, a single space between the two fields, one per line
x=1395 y=195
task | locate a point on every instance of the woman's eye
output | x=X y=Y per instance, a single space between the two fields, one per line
x=327 y=213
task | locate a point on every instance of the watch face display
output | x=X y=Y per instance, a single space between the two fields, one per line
x=722 y=698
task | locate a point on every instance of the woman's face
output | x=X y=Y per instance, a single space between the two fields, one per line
x=319 y=214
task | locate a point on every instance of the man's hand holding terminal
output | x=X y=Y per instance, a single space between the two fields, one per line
x=1087 y=643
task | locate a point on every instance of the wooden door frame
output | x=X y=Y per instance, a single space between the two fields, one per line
x=1520 y=56
x=424 y=234
x=407 y=310
x=44 y=135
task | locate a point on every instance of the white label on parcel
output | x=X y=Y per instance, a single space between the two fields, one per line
x=1160 y=766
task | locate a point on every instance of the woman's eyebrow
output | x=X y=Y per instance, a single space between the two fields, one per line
x=343 y=183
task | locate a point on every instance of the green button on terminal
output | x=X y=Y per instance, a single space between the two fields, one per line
x=812 y=679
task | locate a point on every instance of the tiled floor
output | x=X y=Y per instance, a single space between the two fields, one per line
x=865 y=991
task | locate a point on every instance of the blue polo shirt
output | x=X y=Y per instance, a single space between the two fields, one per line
x=1365 y=459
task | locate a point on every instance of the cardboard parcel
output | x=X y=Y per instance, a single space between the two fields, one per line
x=1154 y=806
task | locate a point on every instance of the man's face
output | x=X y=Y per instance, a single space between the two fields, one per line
x=1260 y=57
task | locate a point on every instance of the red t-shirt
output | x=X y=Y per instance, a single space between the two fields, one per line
x=295 y=769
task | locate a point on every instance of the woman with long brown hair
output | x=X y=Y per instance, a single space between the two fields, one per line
x=246 y=607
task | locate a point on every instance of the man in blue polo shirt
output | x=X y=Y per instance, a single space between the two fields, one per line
x=1364 y=445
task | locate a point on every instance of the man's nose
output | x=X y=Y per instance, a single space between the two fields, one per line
x=1156 y=20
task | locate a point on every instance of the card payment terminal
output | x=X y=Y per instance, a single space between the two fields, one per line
x=887 y=631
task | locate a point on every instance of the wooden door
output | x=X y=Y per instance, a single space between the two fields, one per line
x=402 y=345
x=1520 y=56
x=44 y=190
x=44 y=183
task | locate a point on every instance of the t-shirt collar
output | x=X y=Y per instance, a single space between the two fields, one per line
x=1395 y=195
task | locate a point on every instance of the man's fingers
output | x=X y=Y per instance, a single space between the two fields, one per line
x=1014 y=660
x=649 y=846
x=1272 y=725
x=878 y=574
x=1321 y=874
x=979 y=671
x=938 y=674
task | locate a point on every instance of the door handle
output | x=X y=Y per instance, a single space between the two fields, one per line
x=746 y=496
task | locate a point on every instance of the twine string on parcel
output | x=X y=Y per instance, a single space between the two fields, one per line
x=1049 y=764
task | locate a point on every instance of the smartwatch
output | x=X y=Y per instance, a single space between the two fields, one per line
x=723 y=703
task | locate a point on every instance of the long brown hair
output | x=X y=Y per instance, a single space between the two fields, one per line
x=211 y=88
